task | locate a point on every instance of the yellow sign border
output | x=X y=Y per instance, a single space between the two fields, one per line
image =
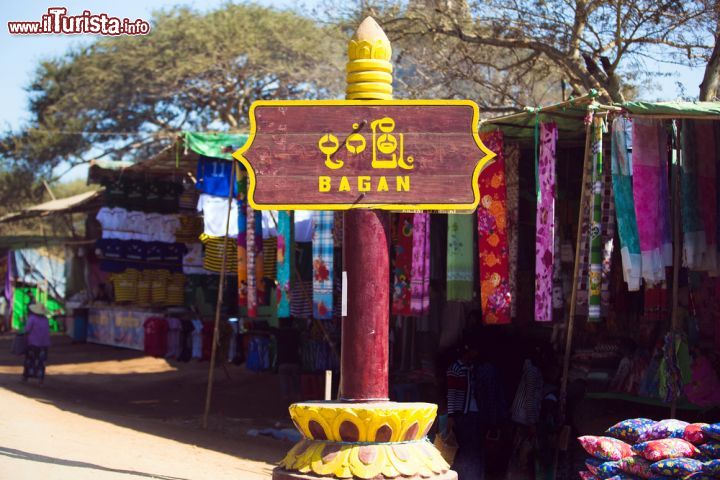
x=482 y=163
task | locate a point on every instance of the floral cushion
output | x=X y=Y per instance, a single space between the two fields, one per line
x=587 y=476
x=663 y=429
x=656 y=450
x=700 y=476
x=630 y=430
x=608 y=469
x=712 y=467
x=694 y=434
x=605 y=448
x=635 y=465
x=712 y=431
x=592 y=464
x=623 y=476
x=710 y=449
x=676 y=467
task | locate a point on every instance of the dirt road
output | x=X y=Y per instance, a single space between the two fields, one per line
x=106 y=413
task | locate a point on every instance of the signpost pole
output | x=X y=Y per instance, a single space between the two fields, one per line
x=365 y=436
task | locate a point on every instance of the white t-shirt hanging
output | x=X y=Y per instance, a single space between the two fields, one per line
x=215 y=210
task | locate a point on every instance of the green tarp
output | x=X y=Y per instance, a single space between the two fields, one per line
x=216 y=145
x=23 y=296
x=680 y=109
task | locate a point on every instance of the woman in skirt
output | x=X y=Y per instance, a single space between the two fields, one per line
x=37 y=331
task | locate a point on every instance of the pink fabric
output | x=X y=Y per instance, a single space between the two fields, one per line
x=650 y=195
x=707 y=191
x=545 y=224
x=420 y=274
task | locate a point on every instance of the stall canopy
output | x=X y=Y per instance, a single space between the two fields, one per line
x=82 y=202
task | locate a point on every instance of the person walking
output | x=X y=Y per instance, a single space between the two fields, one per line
x=37 y=330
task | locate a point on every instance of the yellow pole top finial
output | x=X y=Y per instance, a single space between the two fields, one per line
x=369 y=71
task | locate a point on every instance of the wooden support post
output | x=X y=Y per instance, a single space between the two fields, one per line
x=677 y=247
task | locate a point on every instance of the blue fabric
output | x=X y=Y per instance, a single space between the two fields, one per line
x=676 y=467
x=323 y=249
x=608 y=470
x=629 y=430
x=712 y=467
x=213 y=176
x=712 y=431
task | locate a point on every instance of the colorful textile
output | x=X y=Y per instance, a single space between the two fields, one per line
x=635 y=465
x=629 y=430
x=420 y=275
x=592 y=464
x=705 y=151
x=261 y=298
x=242 y=265
x=694 y=239
x=694 y=433
x=712 y=431
x=609 y=469
x=712 y=467
x=656 y=450
x=605 y=448
x=512 y=202
x=595 y=274
x=460 y=258
x=669 y=428
x=607 y=235
x=545 y=224
x=492 y=237
x=624 y=203
x=322 y=246
x=710 y=449
x=284 y=262
x=587 y=475
x=676 y=467
x=402 y=264
x=649 y=166
x=584 y=250
x=250 y=253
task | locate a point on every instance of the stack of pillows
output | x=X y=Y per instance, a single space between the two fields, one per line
x=640 y=448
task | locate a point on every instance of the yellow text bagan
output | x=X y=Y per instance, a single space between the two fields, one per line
x=362 y=183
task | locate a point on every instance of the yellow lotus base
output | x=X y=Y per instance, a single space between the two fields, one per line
x=363 y=441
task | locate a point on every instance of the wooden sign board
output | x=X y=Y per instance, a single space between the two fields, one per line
x=393 y=155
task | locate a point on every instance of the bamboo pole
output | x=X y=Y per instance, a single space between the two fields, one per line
x=674 y=322
x=218 y=304
x=576 y=269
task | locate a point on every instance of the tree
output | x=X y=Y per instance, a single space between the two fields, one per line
x=710 y=86
x=592 y=44
x=127 y=97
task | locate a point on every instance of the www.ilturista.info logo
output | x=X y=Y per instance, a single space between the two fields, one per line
x=57 y=21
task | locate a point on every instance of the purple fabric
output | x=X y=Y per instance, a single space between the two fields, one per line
x=420 y=276
x=545 y=225
x=37 y=330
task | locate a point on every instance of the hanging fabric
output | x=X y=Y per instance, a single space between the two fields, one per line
x=322 y=247
x=261 y=298
x=459 y=257
x=558 y=295
x=512 y=187
x=492 y=237
x=402 y=264
x=284 y=262
x=595 y=274
x=251 y=279
x=650 y=192
x=420 y=275
x=545 y=223
x=621 y=148
x=584 y=248
x=707 y=193
x=242 y=267
x=607 y=232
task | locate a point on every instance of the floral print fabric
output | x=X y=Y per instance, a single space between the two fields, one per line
x=670 y=428
x=284 y=262
x=460 y=258
x=605 y=448
x=545 y=223
x=595 y=273
x=512 y=202
x=712 y=431
x=322 y=247
x=656 y=450
x=242 y=268
x=676 y=467
x=420 y=275
x=250 y=255
x=402 y=264
x=629 y=430
x=495 y=293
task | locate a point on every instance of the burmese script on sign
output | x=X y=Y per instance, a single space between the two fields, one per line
x=420 y=155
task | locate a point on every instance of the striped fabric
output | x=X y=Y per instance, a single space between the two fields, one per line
x=125 y=285
x=528 y=396
x=214 y=250
x=259 y=259
x=159 y=287
x=176 y=289
x=144 y=285
x=251 y=280
x=301 y=299
x=270 y=257
x=459 y=378
x=242 y=267
x=322 y=245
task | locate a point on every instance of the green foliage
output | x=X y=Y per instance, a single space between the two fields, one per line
x=126 y=97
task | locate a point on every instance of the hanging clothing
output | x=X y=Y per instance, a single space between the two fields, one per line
x=215 y=215
x=495 y=294
x=607 y=234
x=251 y=279
x=260 y=298
x=285 y=260
x=621 y=148
x=649 y=167
x=595 y=274
x=213 y=176
x=420 y=275
x=322 y=246
x=707 y=193
x=402 y=264
x=242 y=266
x=512 y=202
x=545 y=223
x=460 y=258
x=584 y=250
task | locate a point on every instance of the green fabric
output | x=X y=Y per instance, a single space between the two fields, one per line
x=596 y=259
x=672 y=108
x=460 y=257
x=22 y=296
x=216 y=145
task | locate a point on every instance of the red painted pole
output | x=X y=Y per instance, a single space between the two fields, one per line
x=365 y=348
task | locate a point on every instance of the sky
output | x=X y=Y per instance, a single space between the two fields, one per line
x=20 y=54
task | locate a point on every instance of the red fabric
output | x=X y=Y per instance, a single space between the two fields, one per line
x=492 y=237
x=156 y=329
x=402 y=265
